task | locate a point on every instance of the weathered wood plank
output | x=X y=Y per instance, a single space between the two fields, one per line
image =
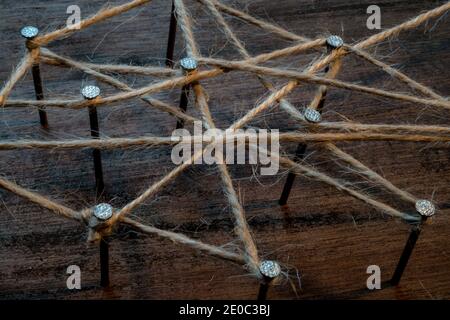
x=329 y=237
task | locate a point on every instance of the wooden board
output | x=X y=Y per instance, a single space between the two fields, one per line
x=327 y=237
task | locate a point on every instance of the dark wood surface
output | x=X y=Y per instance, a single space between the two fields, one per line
x=327 y=237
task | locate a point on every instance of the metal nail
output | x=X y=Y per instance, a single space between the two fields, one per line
x=90 y=93
x=172 y=36
x=312 y=115
x=188 y=64
x=270 y=270
x=299 y=155
x=29 y=32
x=426 y=209
x=335 y=42
x=103 y=211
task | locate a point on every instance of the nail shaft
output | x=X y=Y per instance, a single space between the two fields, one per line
x=104 y=263
x=184 y=99
x=172 y=36
x=324 y=94
x=103 y=212
x=262 y=293
x=37 y=81
x=98 y=169
x=299 y=155
x=407 y=251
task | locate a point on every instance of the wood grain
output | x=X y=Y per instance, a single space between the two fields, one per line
x=327 y=236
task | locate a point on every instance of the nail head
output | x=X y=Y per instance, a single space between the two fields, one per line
x=335 y=41
x=103 y=211
x=425 y=208
x=29 y=32
x=270 y=269
x=312 y=115
x=188 y=64
x=90 y=92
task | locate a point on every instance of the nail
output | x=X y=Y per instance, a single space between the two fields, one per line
x=90 y=93
x=188 y=65
x=270 y=270
x=104 y=212
x=335 y=42
x=299 y=155
x=184 y=100
x=172 y=36
x=312 y=115
x=29 y=33
x=426 y=209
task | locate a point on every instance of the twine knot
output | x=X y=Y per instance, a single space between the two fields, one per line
x=100 y=221
x=31 y=44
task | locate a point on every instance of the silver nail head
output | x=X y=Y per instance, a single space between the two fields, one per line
x=270 y=269
x=29 y=32
x=425 y=208
x=188 y=64
x=312 y=115
x=103 y=211
x=90 y=92
x=335 y=42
